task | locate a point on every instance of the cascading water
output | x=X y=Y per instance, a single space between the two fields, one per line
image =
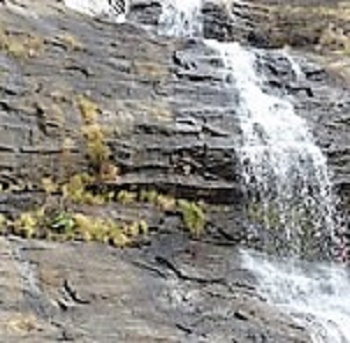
x=181 y=18
x=115 y=10
x=288 y=188
x=316 y=296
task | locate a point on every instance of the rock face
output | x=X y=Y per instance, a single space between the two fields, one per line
x=170 y=126
x=169 y=121
x=172 y=291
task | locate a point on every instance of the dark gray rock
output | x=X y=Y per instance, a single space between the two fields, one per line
x=171 y=291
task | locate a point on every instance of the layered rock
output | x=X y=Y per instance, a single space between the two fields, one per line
x=170 y=126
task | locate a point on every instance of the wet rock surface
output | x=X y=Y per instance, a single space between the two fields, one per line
x=172 y=291
x=171 y=126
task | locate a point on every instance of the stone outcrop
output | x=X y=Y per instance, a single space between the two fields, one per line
x=171 y=291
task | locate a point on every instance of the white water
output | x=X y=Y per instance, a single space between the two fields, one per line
x=317 y=296
x=285 y=172
x=181 y=18
x=99 y=8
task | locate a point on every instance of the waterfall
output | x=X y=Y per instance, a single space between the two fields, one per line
x=181 y=18
x=286 y=176
x=114 y=10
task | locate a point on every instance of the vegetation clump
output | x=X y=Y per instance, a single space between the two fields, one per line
x=93 y=133
x=76 y=191
x=193 y=216
x=21 y=45
x=67 y=226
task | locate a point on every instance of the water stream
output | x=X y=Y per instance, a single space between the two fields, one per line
x=181 y=18
x=115 y=10
x=286 y=176
x=315 y=295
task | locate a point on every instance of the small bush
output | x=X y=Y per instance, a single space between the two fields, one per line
x=193 y=217
x=126 y=198
x=75 y=190
x=89 y=110
x=97 y=149
x=28 y=224
x=149 y=196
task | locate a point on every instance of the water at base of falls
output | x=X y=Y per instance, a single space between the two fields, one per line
x=315 y=295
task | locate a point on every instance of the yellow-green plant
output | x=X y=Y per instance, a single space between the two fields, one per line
x=49 y=185
x=21 y=45
x=75 y=190
x=136 y=229
x=166 y=202
x=101 y=230
x=3 y=224
x=126 y=197
x=89 y=110
x=62 y=223
x=28 y=224
x=193 y=216
x=149 y=196
x=94 y=134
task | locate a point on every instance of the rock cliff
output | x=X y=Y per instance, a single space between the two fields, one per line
x=169 y=126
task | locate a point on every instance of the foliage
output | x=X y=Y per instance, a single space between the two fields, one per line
x=97 y=149
x=89 y=110
x=149 y=196
x=166 y=202
x=75 y=190
x=28 y=223
x=126 y=198
x=77 y=226
x=193 y=216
